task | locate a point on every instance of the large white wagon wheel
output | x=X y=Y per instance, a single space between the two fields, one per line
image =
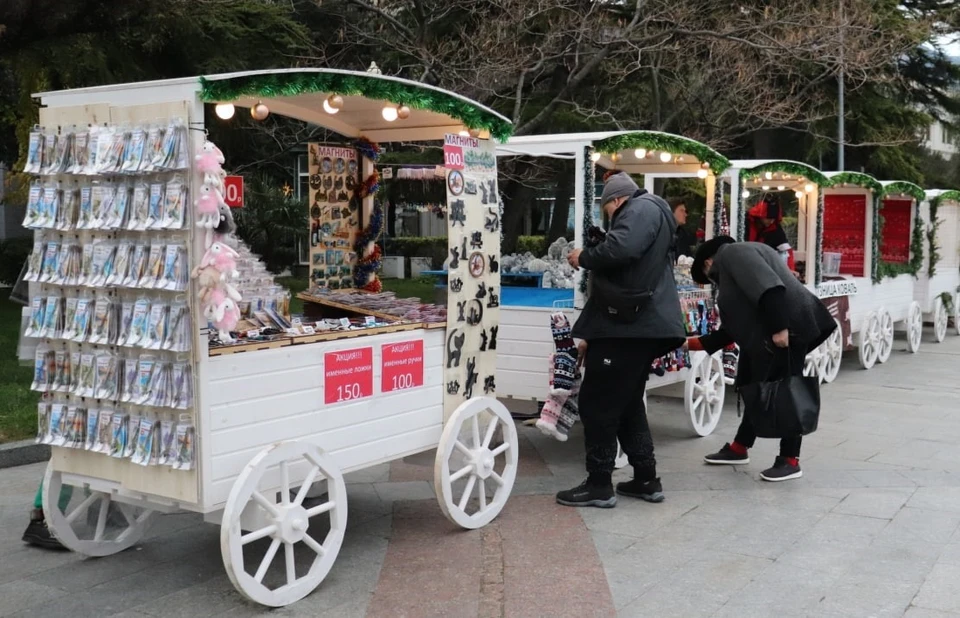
x=704 y=392
x=467 y=450
x=869 y=340
x=885 y=321
x=831 y=355
x=940 y=319
x=264 y=487
x=812 y=364
x=85 y=531
x=914 y=327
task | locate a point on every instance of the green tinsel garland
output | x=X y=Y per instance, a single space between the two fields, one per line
x=717 y=205
x=904 y=188
x=818 y=273
x=856 y=178
x=915 y=263
x=935 y=227
x=370 y=86
x=589 y=195
x=674 y=144
x=741 y=222
x=875 y=245
x=789 y=167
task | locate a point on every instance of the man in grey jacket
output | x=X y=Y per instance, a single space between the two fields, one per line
x=631 y=318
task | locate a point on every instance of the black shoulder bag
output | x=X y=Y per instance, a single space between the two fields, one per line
x=783 y=408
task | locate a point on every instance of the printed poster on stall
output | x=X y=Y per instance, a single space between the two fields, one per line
x=473 y=267
x=334 y=214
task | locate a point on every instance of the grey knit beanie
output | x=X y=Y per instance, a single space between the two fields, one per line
x=618 y=185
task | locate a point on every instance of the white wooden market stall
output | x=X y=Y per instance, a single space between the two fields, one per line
x=522 y=367
x=938 y=282
x=274 y=423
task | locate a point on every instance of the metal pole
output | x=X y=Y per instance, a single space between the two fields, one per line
x=841 y=137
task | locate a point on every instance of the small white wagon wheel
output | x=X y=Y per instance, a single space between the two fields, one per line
x=914 y=327
x=466 y=453
x=832 y=355
x=940 y=320
x=265 y=486
x=704 y=392
x=869 y=340
x=885 y=321
x=85 y=531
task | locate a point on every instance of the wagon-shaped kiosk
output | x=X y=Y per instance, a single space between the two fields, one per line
x=255 y=434
x=938 y=282
x=526 y=343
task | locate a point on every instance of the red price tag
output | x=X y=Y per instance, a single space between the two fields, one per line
x=348 y=375
x=401 y=365
x=233 y=191
x=453 y=157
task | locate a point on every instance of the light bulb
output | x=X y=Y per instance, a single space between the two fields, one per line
x=768 y=175
x=808 y=188
x=780 y=187
x=705 y=165
x=665 y=156
x=330 y=109
x=259 y=111
x=640 y=153
x=390 y=113
x=799 y=194
x=746 y=194
x=765 y=187
x=701 y=173
x=595 y=157
x=615 y=157
x=224 y=110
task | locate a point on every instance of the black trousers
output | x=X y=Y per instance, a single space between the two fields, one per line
x=770 y=364
x=611 y=405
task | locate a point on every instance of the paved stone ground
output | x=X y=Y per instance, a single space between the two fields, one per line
x=873 y=529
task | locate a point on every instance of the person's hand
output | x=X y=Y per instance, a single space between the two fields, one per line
x=581 y=353
x=573 y=258
x=692 y=344
x=782 y=339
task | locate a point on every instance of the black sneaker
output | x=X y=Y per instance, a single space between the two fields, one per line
x=651 y=491
x=39 y=535
x=726 y=456
x=781 y=471
x=585 y=494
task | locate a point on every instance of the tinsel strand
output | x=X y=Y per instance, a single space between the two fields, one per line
x=589 y=194
x=674 y=144
x=366 y=245
x=818 y=274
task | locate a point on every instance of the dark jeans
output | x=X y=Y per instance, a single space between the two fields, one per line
x=611 y=405
x=772 y=364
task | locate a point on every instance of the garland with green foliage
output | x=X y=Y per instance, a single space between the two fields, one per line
x=789 y=167
x=351 y=84
x=901 y=187
x=915 y=263
x=856 y=178
x=589 y=195
x=934 y=229
x=675 y=144
x=818 y=273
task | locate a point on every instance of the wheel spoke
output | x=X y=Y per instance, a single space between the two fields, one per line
x=475 y=430
x=696 y=402
x=466 y=493
x=491 y=429
x=307 y=482
x=284 y=483
x=312 y=543
x=326 y=507
x=700 y=412
x=482 y=493
x=460 y=446
x=291 y=565
x=459 y=474
x=101 y=519
x=499 y=479
x=256 y=535
x=500 y=449
x=82 y=507
x=268 y=506
x=267 y=560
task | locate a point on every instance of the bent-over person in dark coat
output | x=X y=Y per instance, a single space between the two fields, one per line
x=774 y=319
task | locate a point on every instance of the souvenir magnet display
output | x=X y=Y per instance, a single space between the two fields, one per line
x=489 y=385
x=454 y=345
x=475 y=316
x=476 y=265
x=471 y=377
x=456 y=284
x=455 y=182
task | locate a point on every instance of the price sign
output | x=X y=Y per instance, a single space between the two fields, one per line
x=348 y=375
x=401 y=365
x=233 y=191
x=453 y=157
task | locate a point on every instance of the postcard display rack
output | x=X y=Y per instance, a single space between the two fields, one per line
x=262 y=445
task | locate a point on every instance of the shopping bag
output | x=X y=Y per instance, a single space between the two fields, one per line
x=783 y=408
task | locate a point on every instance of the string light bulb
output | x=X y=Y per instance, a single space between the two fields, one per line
x=701 y=173
x=464 y=133
x=329 y=108
x=781 y=188
x=390 y=113
x=765 y=187
x=799 y=194
x=746 y=194
x=768 y=175
x=640 y=153
x=615 y=157
x=224 y=111
x=808 y=187
x=665 y=156
x=595 y=157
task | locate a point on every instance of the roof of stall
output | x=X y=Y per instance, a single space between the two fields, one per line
x=903 y=187
x=687 y=155
x=779 y=169
x=858 y=179
x=943 y=195
x=300 y=93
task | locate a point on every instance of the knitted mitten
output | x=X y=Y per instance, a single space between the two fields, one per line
x=570 y=413
x=731 y=358
x=553 y=406
x=565 y=358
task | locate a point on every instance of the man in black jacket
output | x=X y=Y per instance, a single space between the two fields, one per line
x=686 y=240
x=632 y=317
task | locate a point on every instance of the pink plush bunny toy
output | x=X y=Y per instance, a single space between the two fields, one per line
x=226 y=316
x=223 y=259
x=209 y=162
x=208 y=207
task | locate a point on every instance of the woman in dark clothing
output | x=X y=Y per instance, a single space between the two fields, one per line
x=685 y=241
x=766 y=226
x=776 y=322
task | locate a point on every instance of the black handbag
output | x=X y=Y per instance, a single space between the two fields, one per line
x=783 y=408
